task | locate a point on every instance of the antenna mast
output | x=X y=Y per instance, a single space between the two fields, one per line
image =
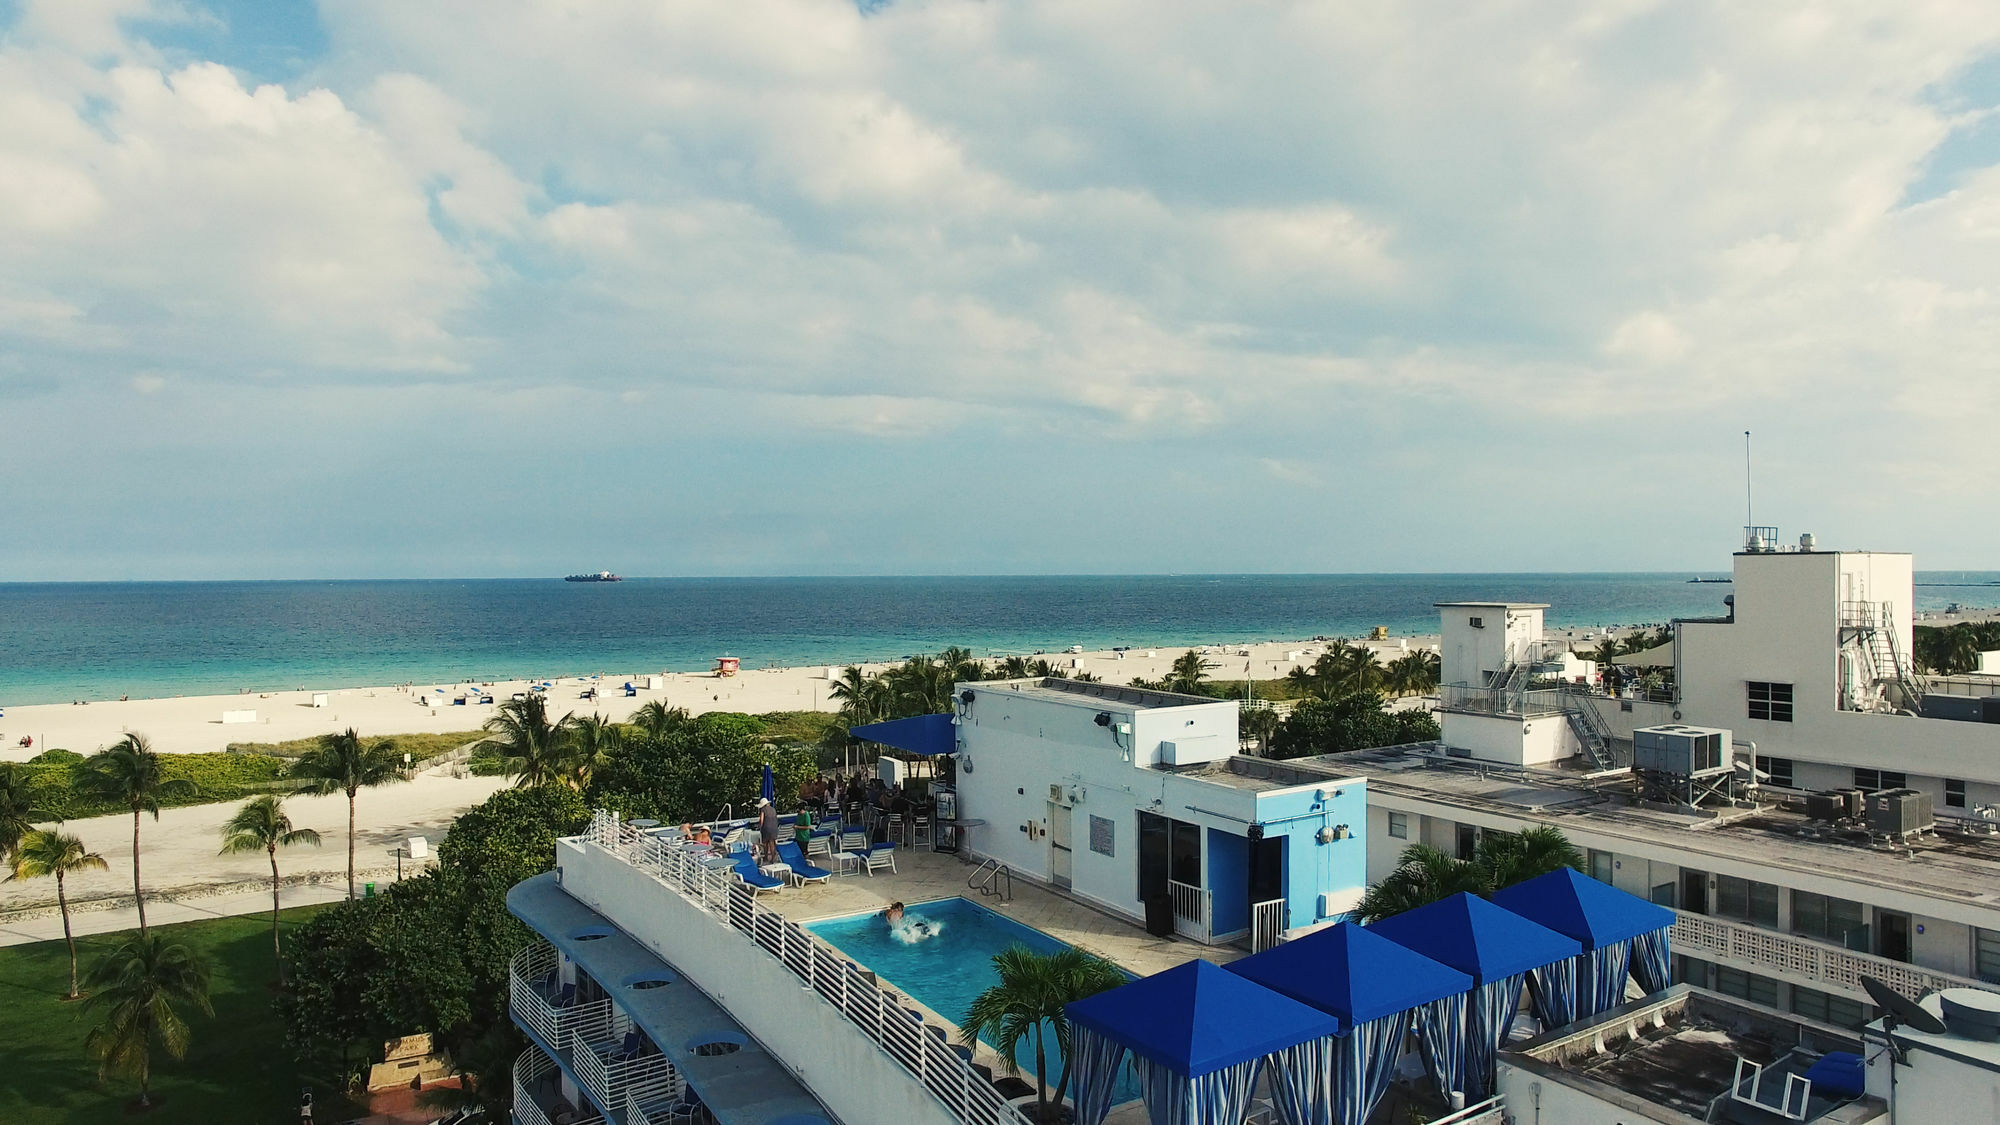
x=1749 y=518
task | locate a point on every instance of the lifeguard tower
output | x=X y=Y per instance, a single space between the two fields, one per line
x=727 y=666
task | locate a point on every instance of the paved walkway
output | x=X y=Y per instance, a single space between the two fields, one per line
x=163 y=912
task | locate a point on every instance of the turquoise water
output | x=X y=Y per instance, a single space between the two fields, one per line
x=945 y=972
x=91 y=640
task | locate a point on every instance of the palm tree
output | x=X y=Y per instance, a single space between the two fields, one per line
x=345 y=764
x=1014 y=668
x=863 y=698
x=593 y=740
x=131 y=774
x=1257 y=725
x=55 y=852
x=1413 y=674
x=1031 y=994
x=261 y=825
x=657 y=720
x=144 y=983
x=1423 y=875
x=922 y=686
x=17 y=810
x=1508 y=858
x=537 y=751
x=960 y=665
x=1189 y=670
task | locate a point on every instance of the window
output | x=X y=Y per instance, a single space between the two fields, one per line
x=1986 y=955
x=1835 y=920
x=1770 y=701
x=1746 y=986
x=1873 y=780
x=1780 y=770
x=1477 y=622
x=1663 y=895
x=1826 y=1008
x=1954 y=793
x=1399 y=826
x=1468 y=841
x=1746 y=901
x=1600 y=865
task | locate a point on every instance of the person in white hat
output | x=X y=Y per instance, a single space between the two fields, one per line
x=767 y=828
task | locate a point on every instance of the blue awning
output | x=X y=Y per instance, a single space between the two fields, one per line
x=1476 y=937
x=1352 y=974
x=1576 y=905
x=922 y=734
x=1198 y=1018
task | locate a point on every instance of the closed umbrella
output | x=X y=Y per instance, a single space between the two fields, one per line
x=770 y=791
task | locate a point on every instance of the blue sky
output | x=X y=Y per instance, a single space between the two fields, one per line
x=371 y=288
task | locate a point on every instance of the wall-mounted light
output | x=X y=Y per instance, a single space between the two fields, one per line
x=1103 y=719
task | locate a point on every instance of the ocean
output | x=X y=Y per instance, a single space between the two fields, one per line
x=64 y=641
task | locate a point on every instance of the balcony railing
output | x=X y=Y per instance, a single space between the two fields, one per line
x=1797 y=958
x=535 y=1086
x=1499 y=701
x=919 y=1048
x=532 y=995
x=647 y=1077
x=1489 y=1112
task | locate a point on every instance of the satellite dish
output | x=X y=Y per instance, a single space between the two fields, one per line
x=1901 y=1009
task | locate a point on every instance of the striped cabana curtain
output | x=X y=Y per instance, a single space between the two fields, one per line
x=1221 y=1097
x=1097 y=1059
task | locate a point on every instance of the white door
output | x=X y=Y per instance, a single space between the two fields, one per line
x=1059 y=845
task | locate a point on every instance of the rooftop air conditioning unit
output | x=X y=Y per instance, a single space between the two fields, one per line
x=1898 y=812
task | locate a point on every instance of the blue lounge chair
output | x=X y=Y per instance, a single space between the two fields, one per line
x=803 y=871
x=746 y=870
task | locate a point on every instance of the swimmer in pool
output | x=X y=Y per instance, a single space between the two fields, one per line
x=912 y=929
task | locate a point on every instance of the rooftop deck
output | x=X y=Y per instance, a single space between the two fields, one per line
x=1949 y=868
x=1675 y=1057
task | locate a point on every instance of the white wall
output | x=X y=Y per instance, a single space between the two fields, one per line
x=1465 y=654
x=845 y=1069
x=1514 y=741
x=1933 y=1088
x=1021 y=744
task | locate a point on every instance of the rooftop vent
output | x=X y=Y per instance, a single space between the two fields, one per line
x=1972 y=1013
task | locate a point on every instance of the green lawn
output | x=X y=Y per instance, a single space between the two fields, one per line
x=236 y=1070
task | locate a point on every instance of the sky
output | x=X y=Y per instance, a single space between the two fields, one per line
x=368 y=288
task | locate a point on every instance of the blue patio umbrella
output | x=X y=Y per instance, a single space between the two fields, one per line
x=770 y=790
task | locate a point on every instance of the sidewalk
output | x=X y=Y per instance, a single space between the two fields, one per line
x=161 y=912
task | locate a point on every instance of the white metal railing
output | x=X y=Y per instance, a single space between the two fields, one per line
x=531 y=1072
x=649 y=1077
x=1191 y=911
x=1492 y=1111
x=919 y=1048
x=1752 y=1092
x=1267 y=923
x=531 y=979
x=1824 y=965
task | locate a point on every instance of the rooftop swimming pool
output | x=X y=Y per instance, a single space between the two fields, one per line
x=945 y=970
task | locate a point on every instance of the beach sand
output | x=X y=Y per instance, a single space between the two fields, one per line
x=194 y=724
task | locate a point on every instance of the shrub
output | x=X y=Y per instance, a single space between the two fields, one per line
x=215 y=777
x=55 y=758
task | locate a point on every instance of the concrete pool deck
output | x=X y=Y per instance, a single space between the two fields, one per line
x=922 y=875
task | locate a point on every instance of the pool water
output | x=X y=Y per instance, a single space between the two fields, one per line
x=954 y=964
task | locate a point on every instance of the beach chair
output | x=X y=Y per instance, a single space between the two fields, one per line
x=854 y=841
x=739 y=836
x=746 y=870
x=880 y=856
x=820 y=845
x=802 y=871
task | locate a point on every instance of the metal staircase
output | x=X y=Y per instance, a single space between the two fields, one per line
x=1589 y=729
x=1871 y=628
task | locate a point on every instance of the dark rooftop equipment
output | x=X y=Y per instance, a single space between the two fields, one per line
x=1679 y=751
x=1972 y=1013
x=1900 y=812
x=1962 y=708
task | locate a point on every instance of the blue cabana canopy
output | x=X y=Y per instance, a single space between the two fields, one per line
x=921 y=734
x=1198 y=1018
x=1476 y=937
x=1575 y=905
x=1352 y=974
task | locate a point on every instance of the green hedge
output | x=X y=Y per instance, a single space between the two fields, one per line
x=215 y=777
x=418 y=746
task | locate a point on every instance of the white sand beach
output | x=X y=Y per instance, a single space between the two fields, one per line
x=194 y=724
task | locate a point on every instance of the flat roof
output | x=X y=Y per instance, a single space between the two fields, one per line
x=1258 y=775
x=1082 y=693
x=1671 y=1055
x=1950 y=868
x=1489 y=605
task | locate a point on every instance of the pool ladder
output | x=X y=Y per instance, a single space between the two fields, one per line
x=993 y=878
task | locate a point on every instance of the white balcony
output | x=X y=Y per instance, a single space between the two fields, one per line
x=625 y=1065
x=1800 y=960
x=538 y=1096
x=542 y=1004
